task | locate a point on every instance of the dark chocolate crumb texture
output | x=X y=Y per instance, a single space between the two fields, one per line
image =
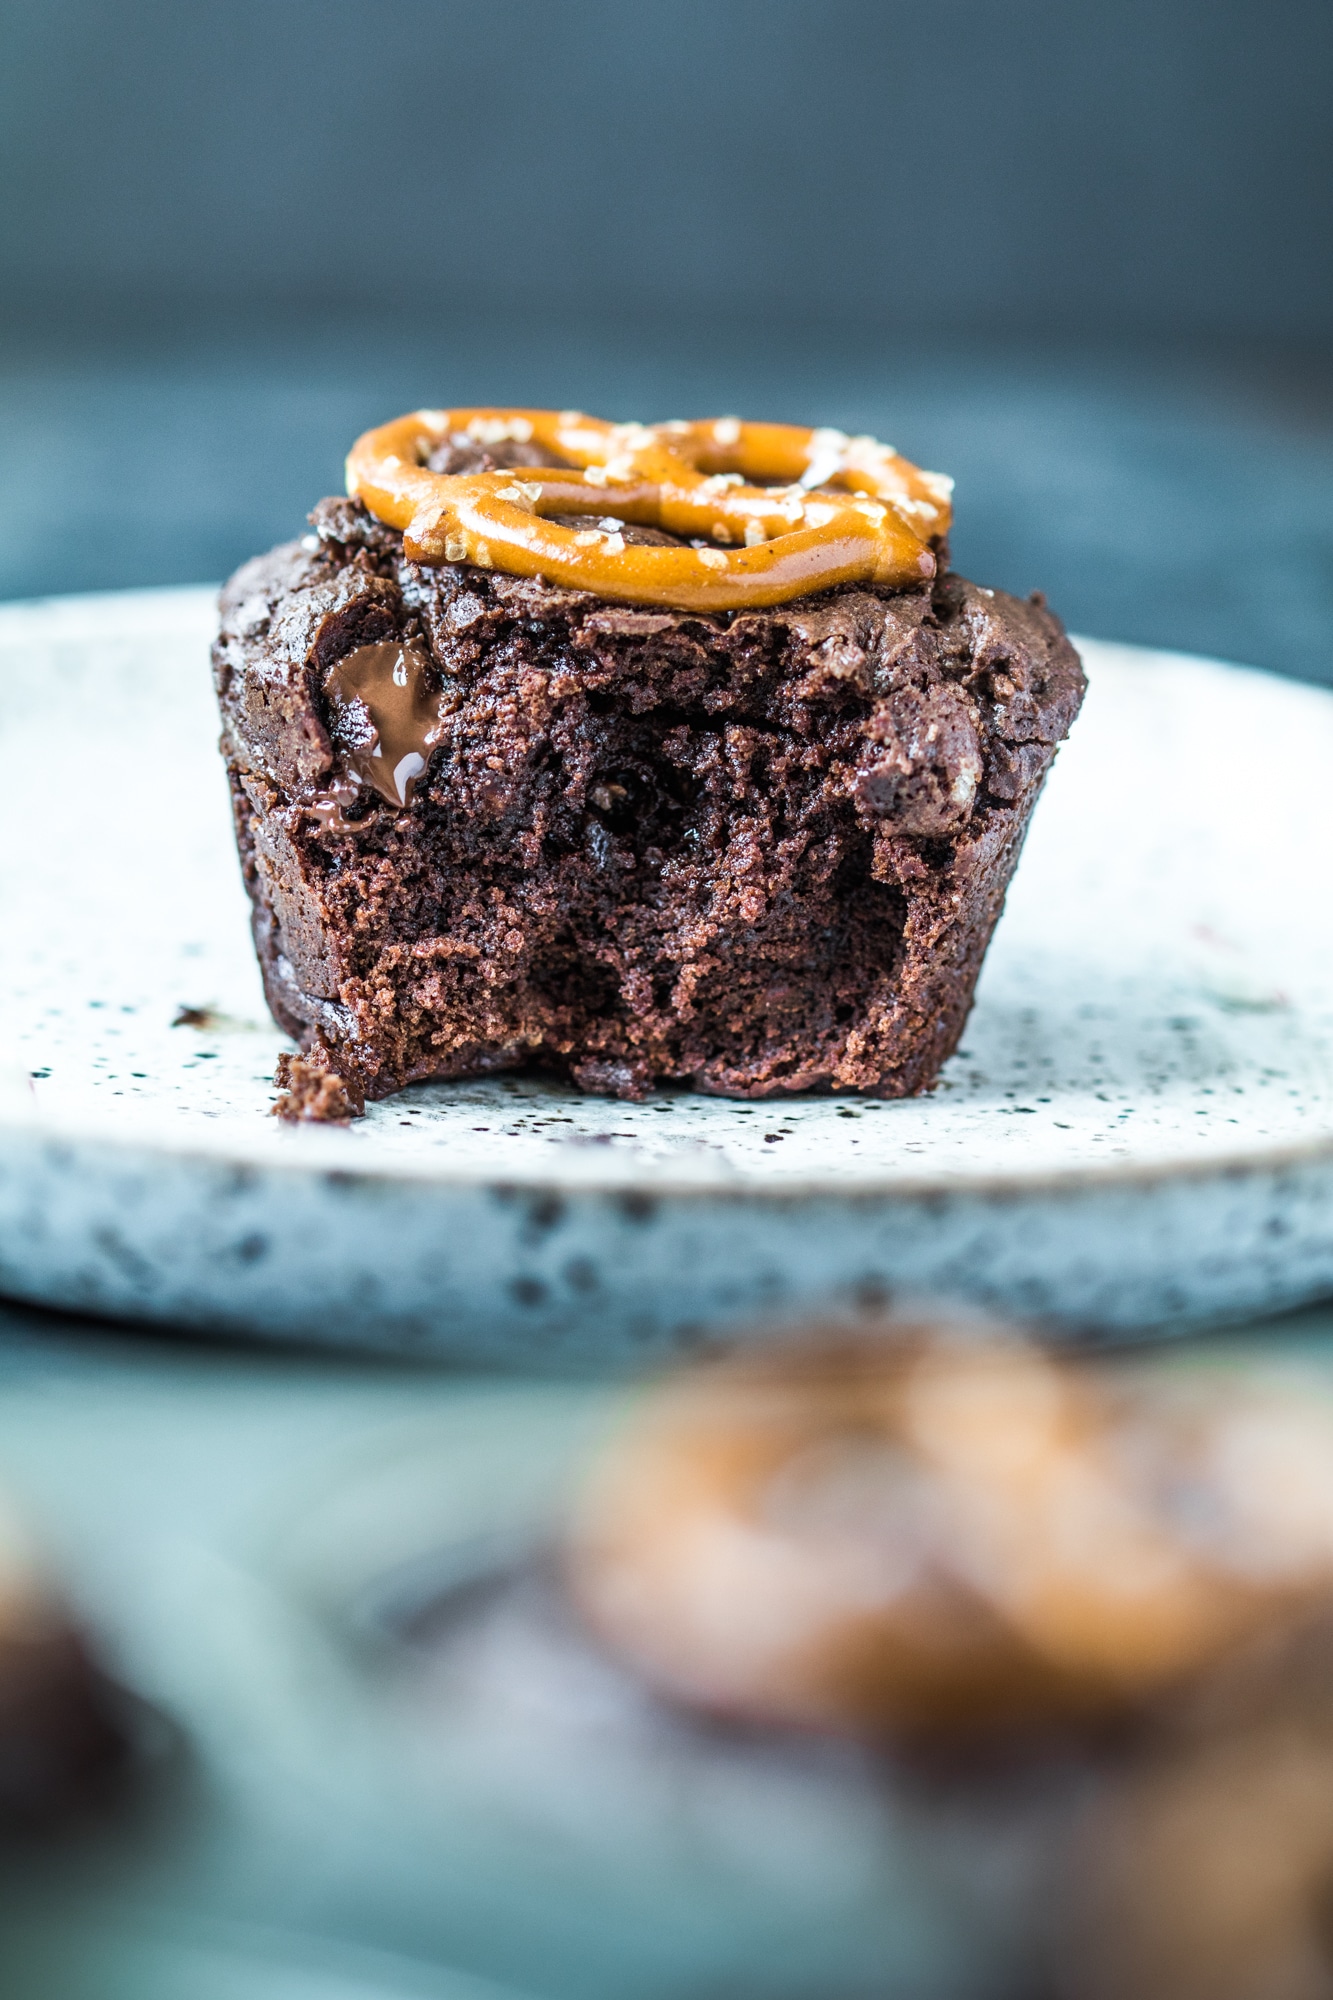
x=488 y=823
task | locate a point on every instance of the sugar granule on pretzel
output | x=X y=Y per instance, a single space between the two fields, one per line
x=830 y=509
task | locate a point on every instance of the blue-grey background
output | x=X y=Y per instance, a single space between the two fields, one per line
x=1079 y=255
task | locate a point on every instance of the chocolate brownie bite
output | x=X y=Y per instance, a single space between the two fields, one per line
x=489 y=821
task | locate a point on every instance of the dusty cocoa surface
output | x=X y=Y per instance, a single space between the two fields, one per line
x=757 y=853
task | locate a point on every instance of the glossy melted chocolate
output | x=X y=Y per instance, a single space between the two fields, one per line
x=385 y=718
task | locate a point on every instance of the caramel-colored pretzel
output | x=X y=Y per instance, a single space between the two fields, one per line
x=688 y=478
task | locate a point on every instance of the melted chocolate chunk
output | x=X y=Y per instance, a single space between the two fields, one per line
x=385 y=716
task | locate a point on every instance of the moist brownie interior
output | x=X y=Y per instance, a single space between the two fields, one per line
x=753 y=852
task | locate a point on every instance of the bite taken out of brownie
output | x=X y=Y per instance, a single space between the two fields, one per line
x=487 y=823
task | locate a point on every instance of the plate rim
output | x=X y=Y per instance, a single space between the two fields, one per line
x=272 y=1155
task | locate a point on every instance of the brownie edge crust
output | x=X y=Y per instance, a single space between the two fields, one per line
x=753 y=852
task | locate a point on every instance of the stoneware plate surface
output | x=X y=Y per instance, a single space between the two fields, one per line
x=1137 y=1132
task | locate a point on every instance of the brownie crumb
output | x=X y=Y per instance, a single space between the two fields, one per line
x=313 y=1091
x=193 y=1017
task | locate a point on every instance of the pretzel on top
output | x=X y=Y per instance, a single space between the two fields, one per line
x=779 y=541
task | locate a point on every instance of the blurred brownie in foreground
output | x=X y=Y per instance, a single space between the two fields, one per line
x=930 y=1533
x=63 y=1739
x=637 y=755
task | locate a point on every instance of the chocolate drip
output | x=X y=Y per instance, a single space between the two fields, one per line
x=386 y=720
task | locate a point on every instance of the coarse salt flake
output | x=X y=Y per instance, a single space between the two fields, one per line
x=827 y=457
x=499 y=430
x=631 y=437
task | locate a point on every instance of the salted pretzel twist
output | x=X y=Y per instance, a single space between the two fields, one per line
x=844 y=510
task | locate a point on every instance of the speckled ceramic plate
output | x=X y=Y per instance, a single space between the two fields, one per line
x=1137 y=1131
